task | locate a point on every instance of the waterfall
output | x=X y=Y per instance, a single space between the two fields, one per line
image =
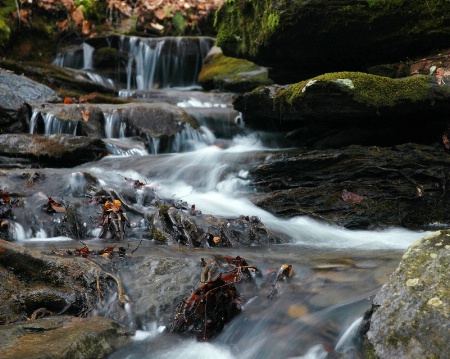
x=88 y=51
x=152 y=63
x=51 y=124
x=112 y=124
x=189 y=139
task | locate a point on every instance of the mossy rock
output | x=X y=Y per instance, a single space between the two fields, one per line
x=369 y=90
x=413 y=307
x=106 y=57
x=302 y=39
x=379 y=110
x=231 y=74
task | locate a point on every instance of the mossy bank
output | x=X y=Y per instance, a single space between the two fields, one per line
x=301 y=39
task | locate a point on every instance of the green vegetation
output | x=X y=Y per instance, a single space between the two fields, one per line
x=246 y=24
x=7 y=7
x=372 y=90
x=220 y=70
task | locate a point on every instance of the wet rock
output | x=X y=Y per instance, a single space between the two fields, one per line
x=339 y=109
x=36 y=284
x=230 y=74
x=404 y=185
x=65 y=82
x=62 y=337
x=411 y=310
x=145 y=121
x=180 y=225
x=57 y=150
x=299 y=40
x=15 y=92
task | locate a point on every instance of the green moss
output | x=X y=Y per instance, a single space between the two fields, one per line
x=5 y=32
x=246 y=24
x=158 y=236
x=219 y=68
x=371 y=90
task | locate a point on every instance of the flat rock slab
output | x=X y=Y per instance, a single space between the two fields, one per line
x=62 y=337
x=57 y=150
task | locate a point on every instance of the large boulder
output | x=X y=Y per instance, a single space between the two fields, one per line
x=302 y=39
x=343 y=108
x=357 y=187
x=411 y=311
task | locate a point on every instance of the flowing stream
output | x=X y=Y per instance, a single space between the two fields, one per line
x=337 y=271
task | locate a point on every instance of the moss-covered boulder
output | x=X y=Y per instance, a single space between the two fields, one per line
x=301 y=39
x=231 y=74
x=411 y=311
x=342 y=108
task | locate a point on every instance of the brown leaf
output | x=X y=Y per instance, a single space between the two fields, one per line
x=446 y=141
x=351 y=197
x=85 y=114
x=77 y=16
x=56 y=206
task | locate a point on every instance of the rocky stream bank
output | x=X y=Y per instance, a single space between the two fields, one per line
x=365 y=147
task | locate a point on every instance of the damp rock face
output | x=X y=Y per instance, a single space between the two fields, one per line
x=411 y=311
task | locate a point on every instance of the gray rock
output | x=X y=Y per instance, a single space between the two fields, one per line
x=15 y=92
x=411 y=317
x=59 y=150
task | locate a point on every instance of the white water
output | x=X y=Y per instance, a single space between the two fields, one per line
x=206 y=178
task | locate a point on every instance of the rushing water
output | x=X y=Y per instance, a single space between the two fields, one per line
x=337 y=271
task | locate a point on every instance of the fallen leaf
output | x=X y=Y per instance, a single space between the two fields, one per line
x=85 y=114
x=351 y=197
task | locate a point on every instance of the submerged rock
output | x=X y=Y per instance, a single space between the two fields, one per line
x=344 y=108
x=411 y=311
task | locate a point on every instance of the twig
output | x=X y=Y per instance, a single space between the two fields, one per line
x=134 y=250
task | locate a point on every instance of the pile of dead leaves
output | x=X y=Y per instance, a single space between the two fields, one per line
x=86 y=252
x=215 y=302
x=160 y=17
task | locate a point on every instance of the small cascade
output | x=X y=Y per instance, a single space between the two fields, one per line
x=189 y=139
x=73 y=58
x=153 y=63
x=16 y=231
x=88 y=51
x=153 y=145
x=169 y=62
x=48 y=124
x=347 y=341
x=113 y=124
